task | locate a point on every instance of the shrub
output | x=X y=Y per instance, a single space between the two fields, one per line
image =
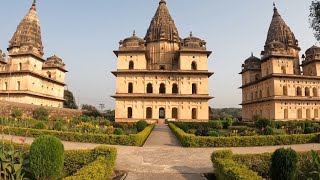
x=202 y=131
x=183 y=126
x=41 y=114
x=268 y=131
x=57 y=126
x=16 y=113
x=309 y=130
x=216 y=124
x=47 y=157
x=118 y=131
x=108 y=130
x=284 y=164
x=141 y=125
x=262 y=123
x=213 y=133
x=85 y=127
x=39 y=125
x=228 y=122
x=192 y=131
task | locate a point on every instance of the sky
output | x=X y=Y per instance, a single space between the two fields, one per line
x=85 y=33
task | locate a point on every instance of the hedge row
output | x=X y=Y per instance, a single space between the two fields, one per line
x=190 y=140
x=261 y=163
x=91 y=164
x=130 y=140
x=225 y=168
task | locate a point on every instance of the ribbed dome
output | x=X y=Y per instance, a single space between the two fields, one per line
x=279 y=34
x=162 y=26
x=132 y=41
x=54 y=61
x=28 y=34
x=193 y=42
x=252 y=59
x=313 y=53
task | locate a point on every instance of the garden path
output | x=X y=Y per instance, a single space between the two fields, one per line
x=167 y=160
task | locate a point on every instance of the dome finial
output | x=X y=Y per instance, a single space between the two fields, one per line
x=251 y=54
x=34 y=4
x=191 y=34
x=134 y=33
x=163 y=1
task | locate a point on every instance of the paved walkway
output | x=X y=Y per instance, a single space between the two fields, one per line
x=162 y=158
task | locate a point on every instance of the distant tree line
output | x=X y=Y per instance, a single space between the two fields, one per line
x=223 y=113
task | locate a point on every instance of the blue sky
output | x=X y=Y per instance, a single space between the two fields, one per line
x=85 y=33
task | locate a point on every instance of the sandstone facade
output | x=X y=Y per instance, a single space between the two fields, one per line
x=162 y=76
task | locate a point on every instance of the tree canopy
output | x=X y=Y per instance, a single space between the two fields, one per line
x=90 y=110
x=314 y=18
x=69 y=102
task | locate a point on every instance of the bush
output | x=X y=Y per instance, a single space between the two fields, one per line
x=192 y=131
x=213 y=133
x=216 y=124
x=41 y=114
x=16 y=113
x=118 y=131
x=47 y=157
x=141 y=125
x=284 y=164
x=262 y=123
x=183 y=126
x=268 y=131
x=226 y=168
x=39 y=125
x=108 y=130
x=57 y=126
x=228 y=122
x=309 y=130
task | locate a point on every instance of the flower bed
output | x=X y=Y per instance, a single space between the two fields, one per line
x=191 y=140
x=130 y=140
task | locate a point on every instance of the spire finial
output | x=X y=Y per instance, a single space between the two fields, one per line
x=191 y=34
x=251 y=54
x=274 y=6
x=163 y=1
x=134 y=33
x=34 y=4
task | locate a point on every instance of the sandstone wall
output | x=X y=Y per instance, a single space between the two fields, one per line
x=6 y=109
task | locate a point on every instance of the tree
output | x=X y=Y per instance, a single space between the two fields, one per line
x=90 y=110
x=69 y=102
x=314 y=18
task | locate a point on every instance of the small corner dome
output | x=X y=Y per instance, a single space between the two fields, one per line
x=313 y=53
x=133 y=41
x=54 y=61
x=252 y=59
x=313 y=49
x=193 y=42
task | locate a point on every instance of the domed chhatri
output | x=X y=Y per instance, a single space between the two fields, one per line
x=132 y=42
x=27 y=77
x=280 y=87
x=162 y=76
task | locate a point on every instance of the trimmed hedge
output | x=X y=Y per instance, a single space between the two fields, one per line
x=225 y=168
x=130 y=140
x=90 y=164
x=190 y=140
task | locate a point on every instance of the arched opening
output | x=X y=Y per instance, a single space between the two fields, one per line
x=49 y=74
x=162 y=113
x=284 y=70
x=149 y=113
x=256 y=95
x=162 y=89
x=194 y=65
x=260 y=94
x=19 y=67
x=149 y=88
x=194 y=113
x=175 y=113
x=315 y=92
x=130 y=88
x=131 y=65
x=316 y=113
x=268 y=91
x=18 y=85
x=299 y=112
x=285 y=91
x=308 y=114
x=129 y=115
x=307 y=91
x=194 y=88
x=286 y=114
x=175 y=88
x=299 y=91
x=5 y=86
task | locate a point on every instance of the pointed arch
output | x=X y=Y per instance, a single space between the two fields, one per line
x=149 y=88
x=131 y=65
x=285 y=90
x=308 y=114
x=299 y=91
x=130 y=88
x=194 y=65
x=162 y=88
x=286 y=114
x=307 y=91
x=175 y=89
x=315 y=92
x=149 y=113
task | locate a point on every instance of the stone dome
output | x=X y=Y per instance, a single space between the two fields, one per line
x=313 y=53
x=133 y=41
x=193 y=42
x=54 y=61
x=252 y=59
